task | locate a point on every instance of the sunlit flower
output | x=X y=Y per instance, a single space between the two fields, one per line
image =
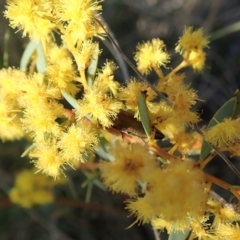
x=84 y=55
x=8 y=84
x=151 y=54
x=99 y=106
x=201 y=228
x=33 y=17
x=10 y=110
x=182 y=99
x=77 y=11
x=42 y=120
x=186 y=141
x=192 y=40
x=47 y=158
x=60 y=70
x=228 y=231
x=11 y=127
x=197 y=60
x=77 y=141
x=223 y=133
x=106 y=79
x=80 y=17
x=34 y=91
x=131 y=92
x=132 y=164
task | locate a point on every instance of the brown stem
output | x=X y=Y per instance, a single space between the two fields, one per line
x=223 y=184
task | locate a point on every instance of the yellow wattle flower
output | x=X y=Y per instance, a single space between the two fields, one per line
x=32 y=188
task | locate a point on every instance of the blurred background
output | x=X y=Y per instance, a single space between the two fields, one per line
x=131 y=22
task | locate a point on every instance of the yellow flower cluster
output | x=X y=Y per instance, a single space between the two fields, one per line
x=174 y=117
x=39 y=18
x=11 y=128
x=132 y=164
x=151 y=55
x=32 y=188
x=191 y=46
x=30 y=102
x=224 y=133
x=223 y=227
x=39 y=94
x=99 y=105
x=168 y=191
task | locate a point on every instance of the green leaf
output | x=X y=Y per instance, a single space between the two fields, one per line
x=99 y=184
x=179 y=235
x=89 y=192
x=5 y=48
x=27 y=54
x=234 y=27
x=237 y=109
x=70 y=99
x=28 y=150
x=227 y=110
x=91 y=71
x=41 y=61
x=143 y=112
x=34 y=45
x=103 y=143
x=72 y=187
x=103 y=149
x=93 y=177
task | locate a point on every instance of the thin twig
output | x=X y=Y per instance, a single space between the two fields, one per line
x=222 y=184
x=221 y=200
x=132 y=65
x=115 y=51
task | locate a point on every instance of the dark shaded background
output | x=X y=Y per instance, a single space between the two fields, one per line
x=131 y=22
